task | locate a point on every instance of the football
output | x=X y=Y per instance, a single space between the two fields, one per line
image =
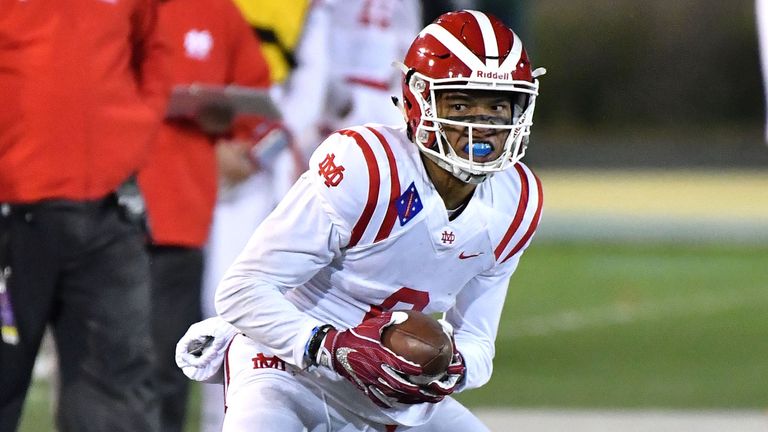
x=420 y=339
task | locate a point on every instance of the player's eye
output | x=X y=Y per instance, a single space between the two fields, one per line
x=501 y=107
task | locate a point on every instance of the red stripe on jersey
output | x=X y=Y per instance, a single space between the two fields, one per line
x=394 y=190
x=519 y=213
x=374 y=180
x=534 y=222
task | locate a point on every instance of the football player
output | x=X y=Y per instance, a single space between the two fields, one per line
x=301 y=40
x=433 y=216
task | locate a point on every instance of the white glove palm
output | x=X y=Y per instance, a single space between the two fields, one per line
x=200 y=352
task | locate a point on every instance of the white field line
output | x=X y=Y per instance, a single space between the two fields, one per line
x=626 y=313
x=514 y=420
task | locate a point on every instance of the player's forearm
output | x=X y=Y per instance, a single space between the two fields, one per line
x=287 y=249
x=261 y=312
x=475 y=318
x=478 y=358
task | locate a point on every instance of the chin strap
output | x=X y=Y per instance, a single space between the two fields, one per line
x=457 y=172
x=466 y=177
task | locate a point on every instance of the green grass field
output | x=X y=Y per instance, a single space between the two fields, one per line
x=619 y=326
x=634 y=326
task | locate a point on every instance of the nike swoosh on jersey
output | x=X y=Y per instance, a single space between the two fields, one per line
x=462 y=256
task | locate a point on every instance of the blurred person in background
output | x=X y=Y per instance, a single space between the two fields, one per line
x=77 y=118
x=330 y=61
x=323 y=62
x=203 y=42
x=249 y=191
x=367 y=36
x=294 y=41
x=761 y=12
x=303 y=307
x=251 y=183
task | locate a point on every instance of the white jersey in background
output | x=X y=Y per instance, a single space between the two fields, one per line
x=362 y=231
x=367 y=37
x=344 y=74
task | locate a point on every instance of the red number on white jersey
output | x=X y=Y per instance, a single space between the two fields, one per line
x=376 y=13
x=417 y=299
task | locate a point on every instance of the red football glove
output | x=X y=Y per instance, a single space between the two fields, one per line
x=446 y=384
x=358 y=355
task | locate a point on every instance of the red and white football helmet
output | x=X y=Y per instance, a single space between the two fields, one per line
x=467 y=50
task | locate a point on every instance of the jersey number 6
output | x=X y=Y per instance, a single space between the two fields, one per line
x=417 y=299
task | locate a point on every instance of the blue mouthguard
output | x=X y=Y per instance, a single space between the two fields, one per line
x=479 y=149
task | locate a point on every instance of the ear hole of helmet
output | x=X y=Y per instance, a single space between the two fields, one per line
x=419 y=85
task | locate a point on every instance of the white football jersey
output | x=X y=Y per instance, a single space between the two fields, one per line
x=345 y=75
x=364 y=230
x=368 y=35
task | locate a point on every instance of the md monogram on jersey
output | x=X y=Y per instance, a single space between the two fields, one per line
x=262 y=361
x=332 y=173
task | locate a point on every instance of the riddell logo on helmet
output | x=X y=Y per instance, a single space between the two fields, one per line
x=494 y=75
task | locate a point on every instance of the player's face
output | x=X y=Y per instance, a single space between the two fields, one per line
x=478 y=107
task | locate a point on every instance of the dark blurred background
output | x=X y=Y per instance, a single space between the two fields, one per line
x=655 y=83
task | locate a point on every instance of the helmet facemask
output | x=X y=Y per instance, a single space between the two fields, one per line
x=431 y=137
x=469 y=52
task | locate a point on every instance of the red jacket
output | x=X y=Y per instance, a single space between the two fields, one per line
x=205 y=41
x=73 y=123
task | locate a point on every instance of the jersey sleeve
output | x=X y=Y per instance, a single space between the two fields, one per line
x=519 y=217
x=343 y=172
x=305 y=232
x=292 y=244
x=475 y=318
x=477 y=311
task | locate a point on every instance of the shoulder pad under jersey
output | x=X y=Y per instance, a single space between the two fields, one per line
x=355 y=172
x=519 y=201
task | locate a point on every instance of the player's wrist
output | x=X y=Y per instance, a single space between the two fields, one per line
x=315 y=351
